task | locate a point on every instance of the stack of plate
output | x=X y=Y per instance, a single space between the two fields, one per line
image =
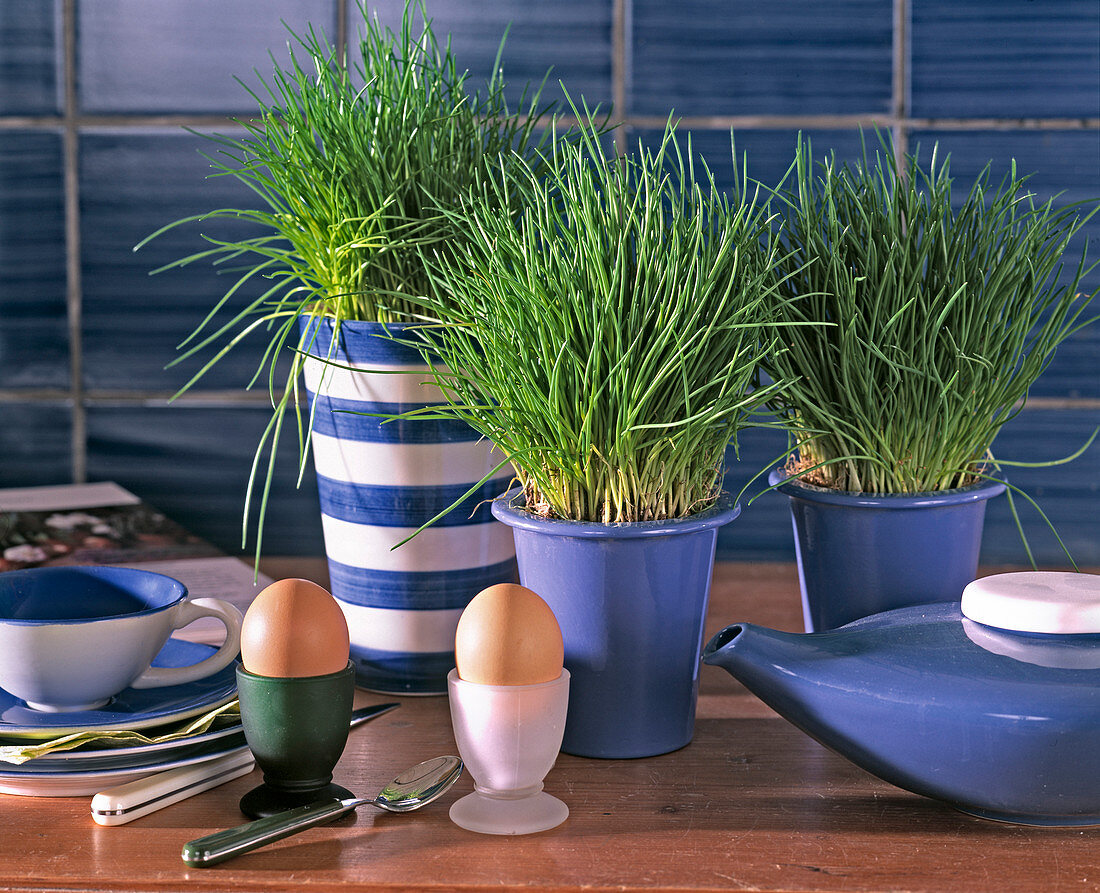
x=81 y=772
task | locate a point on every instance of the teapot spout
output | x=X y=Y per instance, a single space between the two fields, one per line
x=772 y=665
x=805 y=678
x=824 y=684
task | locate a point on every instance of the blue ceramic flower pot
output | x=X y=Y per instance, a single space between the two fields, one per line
x=631 y=600
x=861 y=554
x=379 y=481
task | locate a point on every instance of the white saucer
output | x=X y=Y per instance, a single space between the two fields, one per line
x=81 y=784
x=103 y=758
x=132 y=709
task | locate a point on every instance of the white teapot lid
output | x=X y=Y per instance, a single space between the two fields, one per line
x=1035 y=602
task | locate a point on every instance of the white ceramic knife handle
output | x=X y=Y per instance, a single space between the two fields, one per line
x=126 y=802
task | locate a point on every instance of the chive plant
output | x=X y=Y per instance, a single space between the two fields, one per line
x=349 y=165
x=939 y=316
x=606 y=337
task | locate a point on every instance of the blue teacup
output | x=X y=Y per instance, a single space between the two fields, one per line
x=71 y=638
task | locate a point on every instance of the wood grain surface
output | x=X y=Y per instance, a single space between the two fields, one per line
x=750 y=804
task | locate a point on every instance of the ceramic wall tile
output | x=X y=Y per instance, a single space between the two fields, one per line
x=573 y=37
x=183 y=55
x=1067 y=494
x=1005 y=58
x=764 y=155
x=193 y=464
x=133 y=183
x=30 y=38
x=712 y=57
x=1064 y=166
x=36 y=444
x=34 y=338
x=762 y=532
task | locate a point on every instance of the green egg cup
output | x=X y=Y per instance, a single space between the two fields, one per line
x=297 y=728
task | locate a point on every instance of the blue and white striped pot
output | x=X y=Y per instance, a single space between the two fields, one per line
x=378 y=482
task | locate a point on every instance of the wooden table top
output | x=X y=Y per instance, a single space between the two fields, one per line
x=750 y=804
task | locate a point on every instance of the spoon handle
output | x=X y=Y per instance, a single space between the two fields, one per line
x=215 y=848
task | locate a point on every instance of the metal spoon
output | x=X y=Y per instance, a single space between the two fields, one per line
x=411 y=789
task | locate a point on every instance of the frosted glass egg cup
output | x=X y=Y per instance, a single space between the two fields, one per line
x=509 y=737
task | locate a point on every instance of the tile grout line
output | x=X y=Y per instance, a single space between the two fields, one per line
x=794 y=122
x=342 y=31
x=900 y=83
x=242 y=399
x=73 y=283
x=620 y=38
x=699 y=122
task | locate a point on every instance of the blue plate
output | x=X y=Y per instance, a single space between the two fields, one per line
x=133 y=708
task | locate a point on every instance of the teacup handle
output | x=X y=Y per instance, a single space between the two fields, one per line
x=189 y=611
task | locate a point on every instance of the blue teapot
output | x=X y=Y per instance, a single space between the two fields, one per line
x=991 y=704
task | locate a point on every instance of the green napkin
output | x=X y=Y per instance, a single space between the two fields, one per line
x=19 y=753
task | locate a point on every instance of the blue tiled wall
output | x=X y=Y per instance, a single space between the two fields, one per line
x=132 y=182
x=801 y=57
x=34 y=338
x=183 y=55
x=1007 y=59
x=986 y=79
x=193 y=464
x=569 y=38
x=30 y=42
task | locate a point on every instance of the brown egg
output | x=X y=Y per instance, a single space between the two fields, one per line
x=508 y=636
x=294 y=628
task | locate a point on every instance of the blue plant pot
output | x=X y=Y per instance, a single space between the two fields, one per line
x=379 y=481
x=861 y=554
x=631 y=600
